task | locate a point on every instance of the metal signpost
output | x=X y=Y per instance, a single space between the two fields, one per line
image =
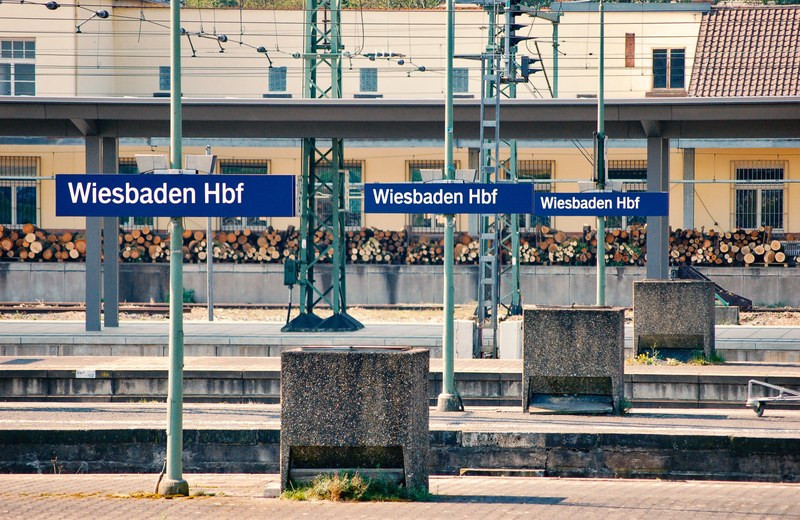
x=183 y=195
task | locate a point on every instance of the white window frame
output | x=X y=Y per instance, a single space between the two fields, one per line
x=27 y=169
x=12 y=58
x=759 y=188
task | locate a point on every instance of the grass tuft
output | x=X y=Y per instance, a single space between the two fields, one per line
x=347 y=487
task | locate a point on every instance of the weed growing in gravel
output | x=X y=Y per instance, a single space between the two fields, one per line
x=347 y=487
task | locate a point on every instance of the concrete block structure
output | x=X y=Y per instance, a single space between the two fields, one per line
x=573 y=359
x=363 y=408
x=673 y=317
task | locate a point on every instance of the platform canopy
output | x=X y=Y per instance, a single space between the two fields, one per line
x=685 y=118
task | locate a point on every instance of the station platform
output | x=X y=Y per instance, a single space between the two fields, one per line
x=486 y=382
x=80 y=404
x=265 y=339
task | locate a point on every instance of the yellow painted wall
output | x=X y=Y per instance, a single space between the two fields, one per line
x=713 y=202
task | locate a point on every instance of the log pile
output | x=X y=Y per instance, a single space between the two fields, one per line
x=30 y=243
x=374 y=246
x=739 y=247
x=544 y=246
x=425 y=251
x=466 y=250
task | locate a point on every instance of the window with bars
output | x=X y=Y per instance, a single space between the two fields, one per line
x=17 y=68
x=461 y=80
x=534 y=171
x=244 y=167
x=633 y=173
x=164 y=80
x=277 y=79
x=18 y=190
x=353 y=176
x=127 y=166
x=428 y=222
x=669 y=68
x=759 y=194
x=369 y=79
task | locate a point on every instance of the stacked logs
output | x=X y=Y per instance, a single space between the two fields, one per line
x=34 y=244
x=425 y=251
x=142 y=244
x=372 y=246
x=732 y=248
x=466 y=250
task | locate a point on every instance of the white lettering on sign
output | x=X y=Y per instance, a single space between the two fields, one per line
x=575 y=203
x=85 y=373
x=389 y=196
x=88 y=192
x=628 y=202
x=481 y=196
x=224 y=194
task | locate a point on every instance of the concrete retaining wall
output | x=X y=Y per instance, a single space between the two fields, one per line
x=376 y=284
x=554 y=454
x=501 y=387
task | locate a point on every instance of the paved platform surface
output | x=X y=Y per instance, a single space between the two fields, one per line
x=230 y=416
x=269 y=364
x=241 y=496
x=138 y=332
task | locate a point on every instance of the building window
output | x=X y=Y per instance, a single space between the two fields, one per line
x=369 y=79
x=428 y=222
x=461 y=80
x=669 y=68
x=759 y=199
x=353 y=176
x=244 y=167
x=535 y=171
x=630 y=50
x=633 y=174
x=277 y=79
x=164 y=82
x=17 y=68
x=18 y=186
x=127 y=166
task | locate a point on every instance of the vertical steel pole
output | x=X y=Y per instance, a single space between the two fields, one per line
x=210 y=259
x=555 y=59
x=600 y=164
x=174 y=484
x=448 y=400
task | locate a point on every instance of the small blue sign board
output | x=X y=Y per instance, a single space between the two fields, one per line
x=178 y=195
x=602 y=204
x=448 y=198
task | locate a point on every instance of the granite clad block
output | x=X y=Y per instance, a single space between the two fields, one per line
x=576 y=351
x=355 y=407
x=673 y=316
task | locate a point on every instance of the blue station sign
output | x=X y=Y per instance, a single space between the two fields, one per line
x=165 y=195
x=602 y=204
x=454 y=198
x=447 y=198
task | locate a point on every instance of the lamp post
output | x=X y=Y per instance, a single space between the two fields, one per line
x=448 y=400
x=600 y=166
x=173 y=483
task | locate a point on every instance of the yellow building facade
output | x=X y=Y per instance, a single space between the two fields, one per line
x=650 y=51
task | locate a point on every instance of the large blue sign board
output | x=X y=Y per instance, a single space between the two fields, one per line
x=444 y=198
x=602 y=204
x=175 y=195
x=448 y=198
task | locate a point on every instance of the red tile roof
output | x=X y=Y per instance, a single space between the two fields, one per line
x=748 y=51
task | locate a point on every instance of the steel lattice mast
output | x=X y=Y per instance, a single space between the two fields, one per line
x=322 y=76
x=498 y=281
